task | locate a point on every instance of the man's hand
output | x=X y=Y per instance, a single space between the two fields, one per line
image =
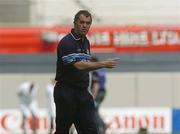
x=110 y=63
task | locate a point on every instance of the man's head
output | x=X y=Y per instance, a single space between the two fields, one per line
x=82 y=22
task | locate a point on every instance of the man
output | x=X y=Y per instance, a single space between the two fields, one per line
x=28 y=105
x=51 y=105
x=74 y=103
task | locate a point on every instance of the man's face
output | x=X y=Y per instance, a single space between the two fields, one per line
x=82 y=25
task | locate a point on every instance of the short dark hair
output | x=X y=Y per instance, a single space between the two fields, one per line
x=84 y=12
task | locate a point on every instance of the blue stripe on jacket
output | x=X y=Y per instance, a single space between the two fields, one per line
x=70 y=58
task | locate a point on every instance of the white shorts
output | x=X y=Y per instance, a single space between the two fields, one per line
x=30 y=109
x=52 y=110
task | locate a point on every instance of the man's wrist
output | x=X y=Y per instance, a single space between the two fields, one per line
x=102 y=65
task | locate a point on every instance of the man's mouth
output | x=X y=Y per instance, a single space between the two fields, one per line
x=84 y=30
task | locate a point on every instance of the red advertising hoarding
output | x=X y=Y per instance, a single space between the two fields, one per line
x=118 y=120
x=103 y=39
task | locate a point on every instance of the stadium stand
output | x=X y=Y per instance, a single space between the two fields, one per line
x=132 y=12
x=14 y=12
x=105 y=12
x=113 y=12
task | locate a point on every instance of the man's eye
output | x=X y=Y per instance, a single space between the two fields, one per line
x=88 y=23
x=83 y=22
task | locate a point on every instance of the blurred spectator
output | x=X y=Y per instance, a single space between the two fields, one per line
x=27 y=93
x=51 y=105
x=98 y=90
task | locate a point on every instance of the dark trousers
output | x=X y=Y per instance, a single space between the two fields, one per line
x=76 y=106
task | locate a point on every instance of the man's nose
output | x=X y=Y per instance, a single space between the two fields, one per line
x=84 y=25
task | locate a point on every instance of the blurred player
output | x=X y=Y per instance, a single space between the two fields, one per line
x=51 y=105
x=27 y=93
x=98 y=80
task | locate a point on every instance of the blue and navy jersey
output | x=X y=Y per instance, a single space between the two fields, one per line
x=102 y=78
x=72 y=49
x=94 y=79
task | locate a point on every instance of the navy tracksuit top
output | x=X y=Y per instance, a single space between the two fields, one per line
x=72 y=49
